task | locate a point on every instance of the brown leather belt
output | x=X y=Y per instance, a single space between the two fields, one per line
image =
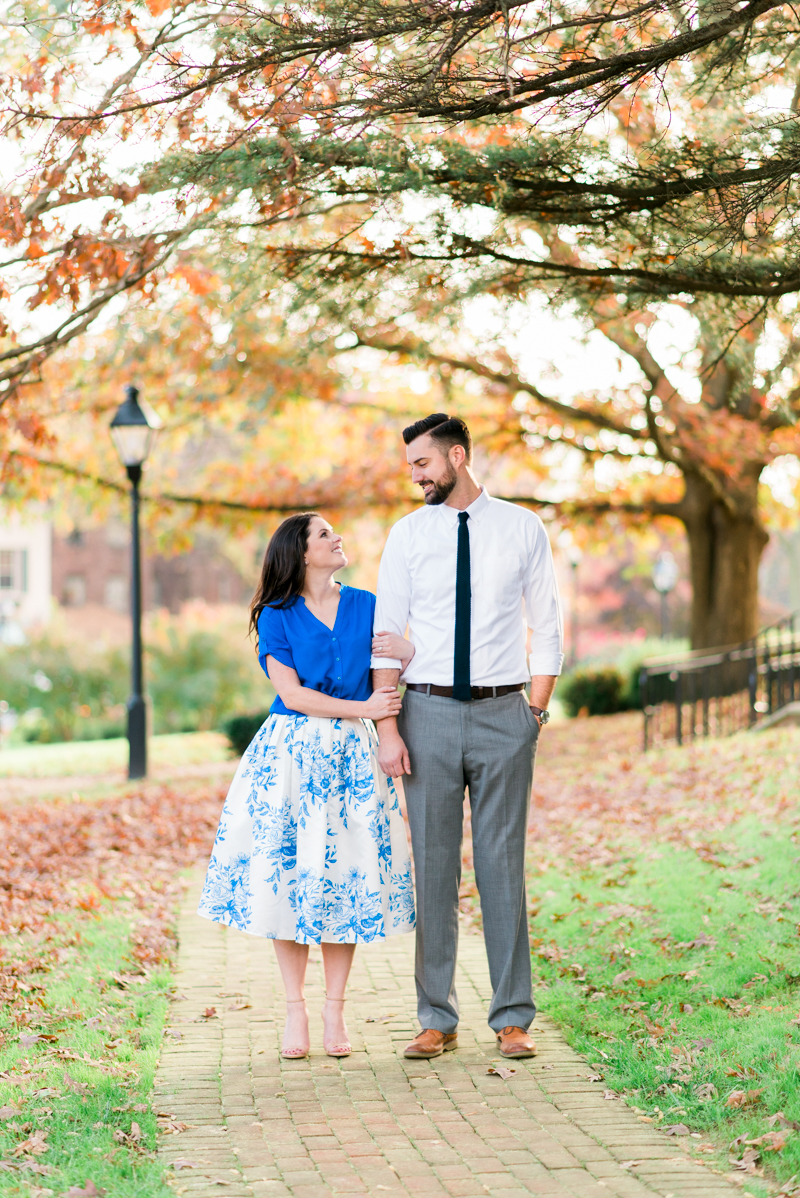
x=478 y=692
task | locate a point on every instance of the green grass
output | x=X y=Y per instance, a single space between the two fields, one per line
x=100 y=756
x=676 y=969
x=85 y=1090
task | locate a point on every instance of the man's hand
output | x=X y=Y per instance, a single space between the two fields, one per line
x=542 y=687
x=392 y=753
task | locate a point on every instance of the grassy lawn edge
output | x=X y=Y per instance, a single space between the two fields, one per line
x=81 y=1038
x=676 y=972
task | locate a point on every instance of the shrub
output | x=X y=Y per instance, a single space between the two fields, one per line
x=195 y=681
x=240 y=730
x=195 y=678
x=599 y=690
x=61 y=694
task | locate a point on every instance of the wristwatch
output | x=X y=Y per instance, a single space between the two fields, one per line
x=541 y=714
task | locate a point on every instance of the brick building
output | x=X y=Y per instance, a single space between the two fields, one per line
x=92 y=567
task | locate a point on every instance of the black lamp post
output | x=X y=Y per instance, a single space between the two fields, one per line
x=665 y=576
x=133 y=431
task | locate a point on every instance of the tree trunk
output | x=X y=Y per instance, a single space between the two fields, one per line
x=725 y=552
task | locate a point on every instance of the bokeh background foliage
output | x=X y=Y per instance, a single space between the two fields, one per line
x=196 y=677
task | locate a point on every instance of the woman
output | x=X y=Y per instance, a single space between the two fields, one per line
x=311 y=846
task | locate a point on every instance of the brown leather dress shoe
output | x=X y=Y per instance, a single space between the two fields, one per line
x=431 y=1043
x=515 y=1042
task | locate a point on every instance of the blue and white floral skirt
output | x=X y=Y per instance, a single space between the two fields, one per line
x=311 y=844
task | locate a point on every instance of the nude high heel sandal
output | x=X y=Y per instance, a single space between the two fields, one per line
x=294 y=1052
x=343 y=1048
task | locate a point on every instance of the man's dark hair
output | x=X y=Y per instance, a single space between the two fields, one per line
x=446 y=430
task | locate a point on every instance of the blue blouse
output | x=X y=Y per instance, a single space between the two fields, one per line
x=334 y=660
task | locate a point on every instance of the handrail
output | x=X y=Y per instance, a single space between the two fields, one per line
x=715 y=692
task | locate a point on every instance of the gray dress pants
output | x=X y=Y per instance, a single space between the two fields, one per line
x=487 y=745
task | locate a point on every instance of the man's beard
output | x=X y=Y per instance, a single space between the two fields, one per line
x=443 y=489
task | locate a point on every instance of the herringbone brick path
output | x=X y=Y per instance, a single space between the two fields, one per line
x=375 y=1123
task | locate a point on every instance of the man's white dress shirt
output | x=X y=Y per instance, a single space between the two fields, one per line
x=512 y=581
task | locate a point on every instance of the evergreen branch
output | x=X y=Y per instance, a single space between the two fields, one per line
x=661 y=282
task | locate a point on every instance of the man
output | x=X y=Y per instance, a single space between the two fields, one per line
x=459 y=572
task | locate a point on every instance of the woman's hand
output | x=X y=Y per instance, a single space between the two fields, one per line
x=383 y=703
x=389 y=644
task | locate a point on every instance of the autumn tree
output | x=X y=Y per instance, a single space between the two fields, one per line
x=143 y=132
x=696 y=456
x=358 y=161
x=253 y=427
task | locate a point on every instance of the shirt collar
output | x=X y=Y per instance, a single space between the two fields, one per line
x=476 y=510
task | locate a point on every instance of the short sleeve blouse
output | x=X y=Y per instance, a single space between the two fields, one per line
x=334 y=660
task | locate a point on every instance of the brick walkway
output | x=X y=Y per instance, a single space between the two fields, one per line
x=377 y=1124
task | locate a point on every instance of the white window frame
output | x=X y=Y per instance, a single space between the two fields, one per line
x=14 y=566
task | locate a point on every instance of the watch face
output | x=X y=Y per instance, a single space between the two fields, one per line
x=545 y=717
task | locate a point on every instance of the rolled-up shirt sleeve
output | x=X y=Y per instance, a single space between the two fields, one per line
x=272 y=640
x=394 y=596
x=543 y=608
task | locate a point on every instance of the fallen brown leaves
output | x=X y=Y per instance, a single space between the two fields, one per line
x=132 y=1138
x=35 y=1145
x=584 y=798
x=743 y=1098
x=772 y=1141
x=747 y=1162
x=64 y=856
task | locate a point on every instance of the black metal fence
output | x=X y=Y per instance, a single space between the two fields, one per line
x=718 y=692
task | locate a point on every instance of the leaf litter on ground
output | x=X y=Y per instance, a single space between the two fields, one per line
x=87 y=938
x=674 y=936
x=678 y=952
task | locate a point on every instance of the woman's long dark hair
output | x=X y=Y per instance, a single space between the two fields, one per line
x=283 y=574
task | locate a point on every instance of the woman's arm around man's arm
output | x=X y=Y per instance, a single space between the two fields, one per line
x=383 y=703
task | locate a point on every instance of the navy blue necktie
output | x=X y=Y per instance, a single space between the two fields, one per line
x=461 y=685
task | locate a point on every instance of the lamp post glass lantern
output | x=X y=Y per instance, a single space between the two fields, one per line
x=665 y=576
x=133 y=431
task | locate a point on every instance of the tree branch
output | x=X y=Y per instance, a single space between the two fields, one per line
x=663 y=282
x=508 y=379
x=599 y=507
x=210 y=503
x=417 y=94
x=78 y=322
